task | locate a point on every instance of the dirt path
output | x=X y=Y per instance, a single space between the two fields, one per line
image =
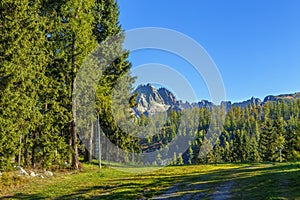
x=199 y=189
x=182 y=191
x=194 y=191
x=223 y=191
x=170 y=193
x=190 y=192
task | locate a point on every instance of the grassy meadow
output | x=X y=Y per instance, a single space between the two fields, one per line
x=242 y=181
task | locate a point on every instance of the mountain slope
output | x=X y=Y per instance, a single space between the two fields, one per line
x=151 y=101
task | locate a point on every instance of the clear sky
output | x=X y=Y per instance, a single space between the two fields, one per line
x=255 y=44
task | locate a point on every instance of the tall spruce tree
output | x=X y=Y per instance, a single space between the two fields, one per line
x=73 y=41
x=23 y=56
x=278 y=140
x=107 y=28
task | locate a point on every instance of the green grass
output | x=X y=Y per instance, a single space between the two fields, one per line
x=251 y=181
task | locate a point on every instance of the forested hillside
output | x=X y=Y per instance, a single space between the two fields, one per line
x=176 y=133
x=252 y=134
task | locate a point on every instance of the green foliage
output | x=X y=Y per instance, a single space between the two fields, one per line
x=252 y=134
x=22 y=66
x=190 y=155
x=180 y=160
x=43 y=45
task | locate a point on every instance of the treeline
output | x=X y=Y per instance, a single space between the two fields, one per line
x=252 y=134
x=43 y=44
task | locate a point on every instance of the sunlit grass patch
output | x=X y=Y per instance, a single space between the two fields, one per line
x=249 y=181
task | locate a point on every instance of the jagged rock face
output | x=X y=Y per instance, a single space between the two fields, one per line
x=151 y=101
x=167 y=96
x=252 y=101
x=270 y=98
x=184 y=105
x=285 y=97
x=148 y=94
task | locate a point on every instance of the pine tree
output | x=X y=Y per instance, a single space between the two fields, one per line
x=73 y=41
x=174 y=158
x=108 y=29
x=217 y=153
x=253 y=150
x=190 y=155
x=278 y=140
x=245 y=146
x=265 y=140
x=292 y=147
x=180 y=160
x=23 y=56
x=237 y=151
x=43 y=45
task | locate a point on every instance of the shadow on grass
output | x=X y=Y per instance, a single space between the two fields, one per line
x=274 y=182
x=25 y=196
x=254 y=181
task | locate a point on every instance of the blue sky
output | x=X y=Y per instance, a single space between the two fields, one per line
x=255 y=44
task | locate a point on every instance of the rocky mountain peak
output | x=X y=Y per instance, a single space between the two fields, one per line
x=168 y=97
x=151 y=101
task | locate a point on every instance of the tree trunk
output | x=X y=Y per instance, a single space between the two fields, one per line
x=33 y=150
x=75 y=159
x=26 y=157
x=20 y=150
x=70 y=156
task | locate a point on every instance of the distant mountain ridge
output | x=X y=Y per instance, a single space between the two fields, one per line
x=151 y=101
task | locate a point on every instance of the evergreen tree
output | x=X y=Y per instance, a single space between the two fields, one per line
x=23 y=55
x=227 y=152
x=292 y=147
x=278 y=140
x=245 y=146
x=174 y=159
x=180 y=160
x=190 y=155
x=43 y=44
x=217 y=153
x=253 y=150
x=73 y=37
x=237 y=151
x=107 y=28
x=265 y=140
